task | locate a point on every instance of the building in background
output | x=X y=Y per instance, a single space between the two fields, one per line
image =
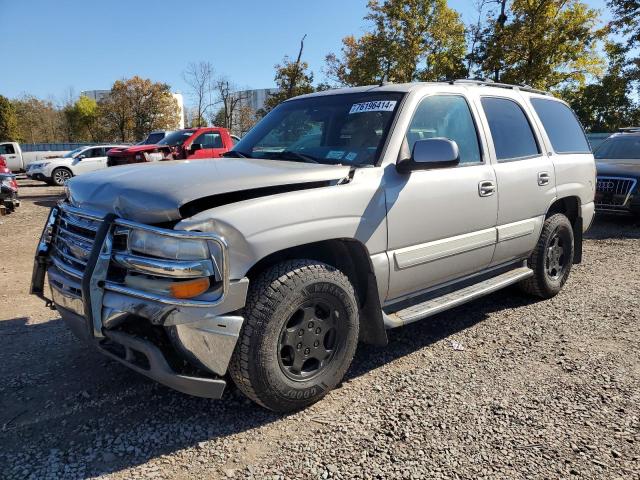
x=99 y=95
x=255 y=99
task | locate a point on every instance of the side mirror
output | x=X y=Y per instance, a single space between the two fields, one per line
x=195 y=147
x=81 y=157
x=429 y=154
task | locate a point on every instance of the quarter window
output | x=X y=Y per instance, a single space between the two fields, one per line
x=512 y=135
x=446 y=116
x=562 y=126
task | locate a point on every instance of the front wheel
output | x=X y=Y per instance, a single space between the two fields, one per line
x=60 y=176
x=552 y=258
x=299 y=335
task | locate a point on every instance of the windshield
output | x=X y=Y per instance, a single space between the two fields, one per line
x=176 y=138
x=338 y=129
x=624 y=147
x=73 y=153
x=152 y=138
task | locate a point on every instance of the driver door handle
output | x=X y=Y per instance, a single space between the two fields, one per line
x=486 y=188
x=543 y=178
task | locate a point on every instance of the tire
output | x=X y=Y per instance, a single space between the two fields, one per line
x=297 y=312
x=60 y=176
x=552 y=258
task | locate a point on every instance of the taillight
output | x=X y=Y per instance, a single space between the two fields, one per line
x=14 y=184
x=3 y=162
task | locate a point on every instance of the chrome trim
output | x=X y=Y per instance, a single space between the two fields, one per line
x=75 y=236
x=165 y=268
x=86 y=225
x=633 y=181
x=66 y=269
x=132 y=292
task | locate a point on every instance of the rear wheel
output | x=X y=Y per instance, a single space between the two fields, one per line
x=299 y=336
x=60 y=176
x=552 y=258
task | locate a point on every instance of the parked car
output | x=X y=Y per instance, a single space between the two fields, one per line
x=190 y=143
x=270 y=264
x=18 y=161
x=3 y=165
x=9 y=192
x=58 y=170
x=618 y=166
x=154 y=137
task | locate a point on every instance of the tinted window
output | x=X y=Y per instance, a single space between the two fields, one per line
x=619 y=148
x=446 y=116
x=176 y=138
x=562 y=126
x=510 y=129
x=209 y=140
x=7 y=150
x=93 y=152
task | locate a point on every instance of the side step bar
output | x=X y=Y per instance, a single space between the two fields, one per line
x=453 y=299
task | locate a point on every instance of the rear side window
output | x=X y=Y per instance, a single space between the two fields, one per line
x=512 y=135
x=7 y=149
x=562 y=126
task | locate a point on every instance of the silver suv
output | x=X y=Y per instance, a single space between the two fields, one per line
x=341 y=215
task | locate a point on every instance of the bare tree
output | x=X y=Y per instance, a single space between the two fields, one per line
x=199 y=78
x=229 y=100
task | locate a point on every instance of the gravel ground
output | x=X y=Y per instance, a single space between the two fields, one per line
x=506 y=387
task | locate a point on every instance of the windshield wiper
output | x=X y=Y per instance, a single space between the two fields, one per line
x=235 y=154
x=296 y=156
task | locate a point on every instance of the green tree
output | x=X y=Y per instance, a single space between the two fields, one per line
x=627 y=22
x=292 y=78
x=81 y=119
x=137 y=106
x=409 y=40
x=8 y=121
x=607 y=105
x=543 y=43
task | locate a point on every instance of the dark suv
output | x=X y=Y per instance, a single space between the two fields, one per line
x=618 y=166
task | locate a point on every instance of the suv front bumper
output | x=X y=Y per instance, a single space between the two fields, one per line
x=203 y=333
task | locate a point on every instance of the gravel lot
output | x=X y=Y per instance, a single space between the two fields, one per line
x=506 y=387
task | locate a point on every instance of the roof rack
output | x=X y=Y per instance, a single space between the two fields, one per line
x=490 y=83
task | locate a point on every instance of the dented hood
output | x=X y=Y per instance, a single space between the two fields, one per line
x=154 y=192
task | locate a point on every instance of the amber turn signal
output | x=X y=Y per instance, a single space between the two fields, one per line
x=189 y=288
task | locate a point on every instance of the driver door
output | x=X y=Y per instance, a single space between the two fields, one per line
x=441 y=222
x=94 y=159
x=212 y=145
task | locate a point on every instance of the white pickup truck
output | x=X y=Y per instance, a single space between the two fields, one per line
x=17 y=160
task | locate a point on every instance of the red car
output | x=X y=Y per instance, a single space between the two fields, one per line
x=190 y=143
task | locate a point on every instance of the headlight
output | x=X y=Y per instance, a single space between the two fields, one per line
x=42 y=165
x=149 y=243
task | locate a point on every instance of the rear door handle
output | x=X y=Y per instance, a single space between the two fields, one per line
x=486 y=188
x=543 y=178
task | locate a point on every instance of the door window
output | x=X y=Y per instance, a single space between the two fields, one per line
x=511 y=131
x=562 y=126
x=93 y=153
x=446 y=116
x=7 y=149
x=209 y=140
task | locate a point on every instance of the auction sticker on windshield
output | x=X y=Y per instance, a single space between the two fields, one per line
x=375 y=106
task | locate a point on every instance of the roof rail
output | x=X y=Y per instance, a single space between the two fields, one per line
x=490 y=83
x=629 y=129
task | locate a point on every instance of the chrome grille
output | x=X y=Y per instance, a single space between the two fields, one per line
x=613 y=191
x=72 y=242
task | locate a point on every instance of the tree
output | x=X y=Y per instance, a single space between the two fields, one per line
x=230 y=99
x=627 y=23
x=409 y=40
x=292 y=79
x=39 y=120
x=81 y=119
x=199 y=77
x=137 y=106
x=607 y=105
x=543 y=43
x=8 y=121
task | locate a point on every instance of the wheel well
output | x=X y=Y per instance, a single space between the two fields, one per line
x=570 y=207
x=350 y=257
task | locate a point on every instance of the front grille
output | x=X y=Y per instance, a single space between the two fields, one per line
x=72 y=242
x=613 y=191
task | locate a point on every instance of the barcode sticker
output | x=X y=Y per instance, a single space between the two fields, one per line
x=376 y=106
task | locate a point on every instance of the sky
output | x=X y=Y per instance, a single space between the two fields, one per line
x=49 y=47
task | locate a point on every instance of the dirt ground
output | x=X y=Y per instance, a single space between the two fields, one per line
x=506 y=387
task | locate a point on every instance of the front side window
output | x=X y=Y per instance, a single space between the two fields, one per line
x=511 y=131
x=209 y=140
x=347 y=129
x=619 y=148
x=73 y=153
x=562 y=126
x=446 y=116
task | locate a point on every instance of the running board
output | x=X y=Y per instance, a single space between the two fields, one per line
x=453 y=299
